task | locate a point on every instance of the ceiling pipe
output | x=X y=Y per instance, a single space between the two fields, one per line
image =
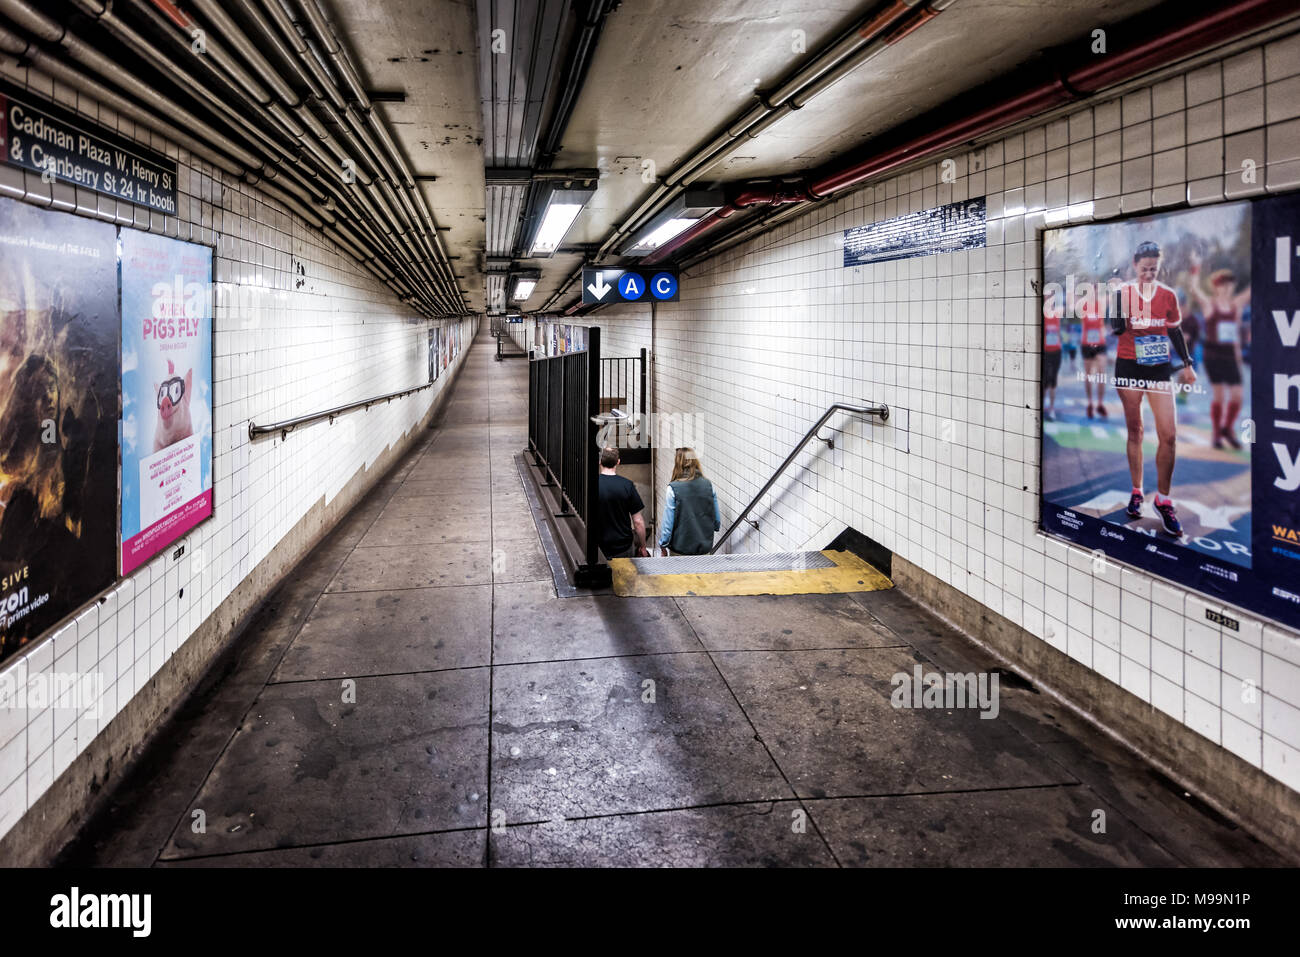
x=183 y=78
x=391 y=212
x=302 y=117
x=322 y=84
x=429 y=237
x=575 y=74
x=45 y=28
x=222 y=21
x=1157 y=49
x=870 y=35
x=864 y=40
x=584 y=50
x=161 y=10
x=32 y=54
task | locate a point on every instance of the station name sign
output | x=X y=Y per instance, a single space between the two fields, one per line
x=943 y=229
x=64 y=148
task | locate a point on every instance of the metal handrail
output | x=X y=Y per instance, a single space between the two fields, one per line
x=880 y=410
x=288 y=425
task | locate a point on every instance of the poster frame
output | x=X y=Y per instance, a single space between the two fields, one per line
x=212 y=385
x=1186 y=578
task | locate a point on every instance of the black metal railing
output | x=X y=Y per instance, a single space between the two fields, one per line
x=563 y=417
x=623 y=390
x=512 y=351
x=881 y=411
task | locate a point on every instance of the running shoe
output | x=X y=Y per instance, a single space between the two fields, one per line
x=1135 y=505
x=1231 y=439
x=1090 y=412
x=1218 y=438
x=1101 y=410
x=1170 y=518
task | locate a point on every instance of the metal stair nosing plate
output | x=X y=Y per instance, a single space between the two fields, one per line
x=738 y=562
x=791 y=573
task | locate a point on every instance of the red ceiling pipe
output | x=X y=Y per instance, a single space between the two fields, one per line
x=1158 y=49
x=754 y=194
x=173 y=14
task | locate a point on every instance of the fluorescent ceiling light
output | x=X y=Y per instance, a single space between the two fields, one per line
x=523 y=289
x=559 y=217
x=674 y=227
x=684 y=212
x=558 y=211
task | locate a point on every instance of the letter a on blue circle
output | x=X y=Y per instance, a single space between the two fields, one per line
x=629 y=286
x=663 y=285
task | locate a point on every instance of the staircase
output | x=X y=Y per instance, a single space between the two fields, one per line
x=785 y=573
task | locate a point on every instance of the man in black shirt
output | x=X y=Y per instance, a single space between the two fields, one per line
x=621 y=514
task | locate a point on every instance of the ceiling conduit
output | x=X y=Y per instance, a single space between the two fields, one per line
x=865 y=39
x=314 y=190
x=1158 y=49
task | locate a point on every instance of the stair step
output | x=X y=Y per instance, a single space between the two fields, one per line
x=737 y=562
x=787 y=573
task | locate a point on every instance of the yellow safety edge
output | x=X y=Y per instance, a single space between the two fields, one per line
x=850 y=574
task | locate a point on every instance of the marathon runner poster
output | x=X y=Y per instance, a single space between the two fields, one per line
x=1171 y=397
x=59 y=332
x=166 y=392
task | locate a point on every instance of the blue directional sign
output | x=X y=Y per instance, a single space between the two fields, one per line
x=663 y=285
x=631 y=286
x=601 y=286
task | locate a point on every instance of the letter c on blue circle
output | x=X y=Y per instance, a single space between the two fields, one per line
x=663 y=285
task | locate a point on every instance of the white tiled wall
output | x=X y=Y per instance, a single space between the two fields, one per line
x=299 y=327
x=768 y=334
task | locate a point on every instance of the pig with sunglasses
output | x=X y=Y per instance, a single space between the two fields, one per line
x=174 y=422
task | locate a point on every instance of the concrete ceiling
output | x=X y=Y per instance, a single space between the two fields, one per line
x=428 y=50
x=664 y=79
x=667 y=76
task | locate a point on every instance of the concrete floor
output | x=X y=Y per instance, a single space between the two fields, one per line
x=494 y=724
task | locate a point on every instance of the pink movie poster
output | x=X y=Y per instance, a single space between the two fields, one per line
x=166 y=392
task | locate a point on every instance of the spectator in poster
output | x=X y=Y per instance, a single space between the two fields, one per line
x=1225 y=333
x=1147 y=322
x=1052 y=310
x=1090 y=310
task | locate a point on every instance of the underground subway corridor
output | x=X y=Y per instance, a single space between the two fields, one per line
x=594 y=435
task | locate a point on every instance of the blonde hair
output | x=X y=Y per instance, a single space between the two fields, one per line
x=686 y=466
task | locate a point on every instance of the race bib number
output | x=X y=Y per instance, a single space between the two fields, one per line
x=1052 y=338
x=1151 y=350
x=1092 y=337
x=1227 y=332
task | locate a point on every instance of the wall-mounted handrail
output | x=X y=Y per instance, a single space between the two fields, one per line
x=288 y=425
x=879 y=410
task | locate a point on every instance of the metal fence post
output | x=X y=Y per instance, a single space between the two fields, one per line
x=643 y=376
x=594 y=574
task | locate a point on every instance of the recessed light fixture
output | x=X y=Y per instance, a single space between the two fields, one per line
x=683 y=213
x=561 y=208
x=525 y=283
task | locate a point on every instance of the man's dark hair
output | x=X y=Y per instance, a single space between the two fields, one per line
x=1147 y=250
x=608 y=457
